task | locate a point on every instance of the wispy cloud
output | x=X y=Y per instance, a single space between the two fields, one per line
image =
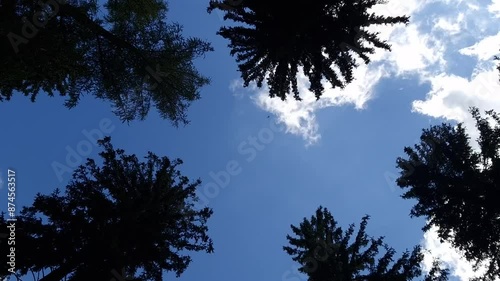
x=300 y=117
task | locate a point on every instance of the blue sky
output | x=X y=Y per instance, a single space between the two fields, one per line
x=339 y=153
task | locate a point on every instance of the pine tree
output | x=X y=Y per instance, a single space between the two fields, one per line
x=328 y=253
x=457 y=188
x=322 y=37
x=124 y=217
x=130 y=57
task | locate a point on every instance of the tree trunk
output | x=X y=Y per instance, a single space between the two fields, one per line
x=59 y=273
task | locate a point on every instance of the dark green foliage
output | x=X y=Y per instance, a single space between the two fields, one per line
x=125 y=215
x=323 y=37
x=458 y=189
x=130 y=57
x=327 y=252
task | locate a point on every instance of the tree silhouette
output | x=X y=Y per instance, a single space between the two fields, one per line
x=457 y=188
x=322 y=37
x=127 y=217
x=327 y=252
x=130 y=56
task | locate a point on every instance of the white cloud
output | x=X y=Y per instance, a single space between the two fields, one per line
x=451 y=95
x=397 y=8
x=485 y=49
x=494 y=8
x=451 y=24
x=413 y=51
